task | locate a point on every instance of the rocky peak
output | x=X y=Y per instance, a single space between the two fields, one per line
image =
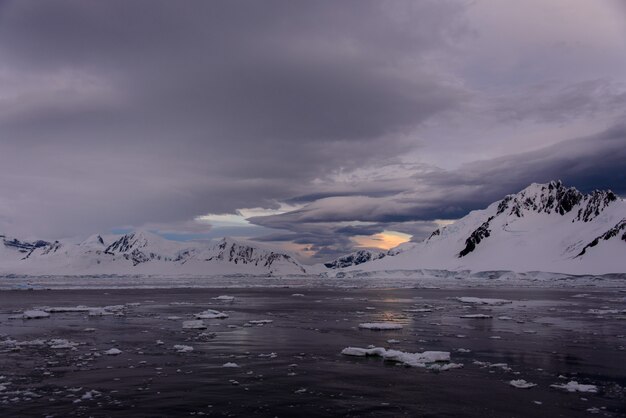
x=355 y=258
x=552 y=197
x=594 y=203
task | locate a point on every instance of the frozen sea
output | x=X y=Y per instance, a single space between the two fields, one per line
x=277 y=349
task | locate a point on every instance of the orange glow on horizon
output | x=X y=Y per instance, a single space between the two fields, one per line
x=383 y=240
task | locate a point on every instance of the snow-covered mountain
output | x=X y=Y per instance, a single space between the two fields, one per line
x=545 y=227
x=144 y=253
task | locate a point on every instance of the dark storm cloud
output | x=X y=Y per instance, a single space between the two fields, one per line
x=587 y=163
x=161 y=111
x=151 y=113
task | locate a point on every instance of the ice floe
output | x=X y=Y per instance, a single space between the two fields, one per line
x=194 y=324
x=225 y=298
x=408 y=359
x=482 y=301
x=61 y=343
x=574 y=386
x=230 y=364
x=476 y=316
x=380 y=326
x=260 y=321
x=35 y=314
x=113 y=352
x=211 y=314
x=180 y=348
x=522 y=384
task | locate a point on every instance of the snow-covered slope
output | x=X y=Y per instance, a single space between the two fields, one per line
x=545 y=227
x=355 y=258
x=143 y=253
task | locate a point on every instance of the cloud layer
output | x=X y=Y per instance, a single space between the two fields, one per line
x=367 y=115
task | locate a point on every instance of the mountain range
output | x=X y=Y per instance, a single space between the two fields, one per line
x=545 y=227
x=144 y=253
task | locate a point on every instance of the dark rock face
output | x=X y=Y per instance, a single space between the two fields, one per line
x=594 y=204
x=129 y=246
x=476 y=237
x=27 y=248
x=611 y=233
x=354 y=259
x=236 y=253
x=23 y=246
x=122 y=245
x=435 y=233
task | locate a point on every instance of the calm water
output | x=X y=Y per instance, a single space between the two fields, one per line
x=293 y=366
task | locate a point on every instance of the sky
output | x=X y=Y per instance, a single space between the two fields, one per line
x=317 y=127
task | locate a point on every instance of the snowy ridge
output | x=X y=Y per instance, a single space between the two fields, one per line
x=355 y=258
x=142 y=253
x=545 y=227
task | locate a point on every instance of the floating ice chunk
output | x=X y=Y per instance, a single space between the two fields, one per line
x=32 y=343
x=183 y=348
x=87 y=396
x=505 y=318
x=482 y=301
x=380 y=326
x=173 y=318
x=297 y=295
x=60 y=343
x=476 y=316
x=230 y=364
x=194 y=324
x=420 y=310
x=521 y=384
x=574 y=386
x=99 y=312
x=393 y=341
x=211 y=314
x=225 y=298
x=408 y=359
x=444 y=367
x=61 y=309
x=35 y=314
x=113 y=352
x=268 y=355
x=260 y=321
x=602 y=311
